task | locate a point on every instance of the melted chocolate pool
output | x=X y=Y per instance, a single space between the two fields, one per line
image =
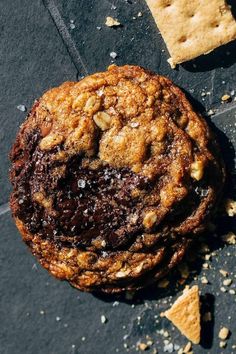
x=87 y=206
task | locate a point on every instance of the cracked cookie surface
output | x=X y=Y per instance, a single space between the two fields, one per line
x=113 y=178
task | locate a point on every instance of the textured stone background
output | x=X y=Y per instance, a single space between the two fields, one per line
x=40 y=47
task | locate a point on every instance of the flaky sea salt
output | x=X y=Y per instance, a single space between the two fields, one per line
x=81 y=183
x=21 y=107
x=113 y=55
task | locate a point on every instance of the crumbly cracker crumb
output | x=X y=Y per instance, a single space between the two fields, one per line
x=111 y=22
x=207 y=257
x=223 y=289
x=229 y=238
x=223 y=333
x=205 y=265
x=142 y=346
x=204 y=280
x=225 y=98
x=223 y=272
x=211 y=112
x=222 y=344
x=227 y=282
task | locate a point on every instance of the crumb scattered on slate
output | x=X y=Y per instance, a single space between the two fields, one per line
x=229 y=238
x=223 y=333
x=227 y=282
x=113 y=55
x=21 y=107
x=223 y=272
x=222 y=344
x=112 y=22
x=226 y=98
x=103 y=319
x=204 y=280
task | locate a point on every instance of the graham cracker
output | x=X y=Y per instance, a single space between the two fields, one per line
x=193 y=27
x=185 y=314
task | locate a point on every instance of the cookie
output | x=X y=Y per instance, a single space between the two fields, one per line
x=192 y=28
x=113 y=179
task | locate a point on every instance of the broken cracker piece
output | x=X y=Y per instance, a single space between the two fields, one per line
x=185 y=314
x=193 y=28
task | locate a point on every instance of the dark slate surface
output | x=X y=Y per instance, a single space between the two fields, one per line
x=39 y=314
x=137 y=41
x=32 y=59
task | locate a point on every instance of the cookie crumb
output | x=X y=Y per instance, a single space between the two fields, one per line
x=142 y=346
x=204 y=280
x=230 y=207
x=111 y=22
x=211 y=112
x=227 y=282
x=207 y=257
x=223 y=289
x=168 y=347
x=222 y=344
x=223 y=272
x=226 y=98
x=223 y=333
x=229 y=238
x=205 y=265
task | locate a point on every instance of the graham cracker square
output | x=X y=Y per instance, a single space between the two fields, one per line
x=193 y=27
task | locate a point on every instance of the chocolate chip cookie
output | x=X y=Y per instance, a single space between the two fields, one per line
x=113 y=179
